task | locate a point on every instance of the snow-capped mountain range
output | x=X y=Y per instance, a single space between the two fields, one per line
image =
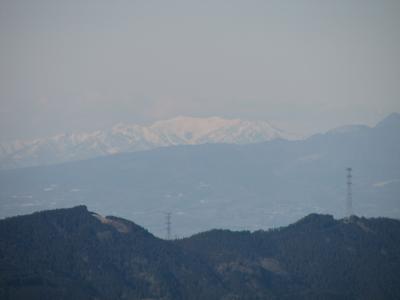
x=129 y=138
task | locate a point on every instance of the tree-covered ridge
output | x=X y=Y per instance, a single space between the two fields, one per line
x=73 y=253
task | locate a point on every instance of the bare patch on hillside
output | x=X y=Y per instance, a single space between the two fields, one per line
x=118 y=225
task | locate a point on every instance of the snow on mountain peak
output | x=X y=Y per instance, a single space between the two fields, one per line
x=189 y=129
x=122 y=137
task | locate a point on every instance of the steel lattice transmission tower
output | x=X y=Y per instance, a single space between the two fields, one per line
x=349 y=200
x=168 y=225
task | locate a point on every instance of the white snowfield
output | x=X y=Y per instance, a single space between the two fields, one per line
x=129 y=138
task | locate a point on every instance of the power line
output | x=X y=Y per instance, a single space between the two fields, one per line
x=349 y=200
x=168 y=225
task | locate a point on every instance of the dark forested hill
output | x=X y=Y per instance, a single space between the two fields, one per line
x=76 y=254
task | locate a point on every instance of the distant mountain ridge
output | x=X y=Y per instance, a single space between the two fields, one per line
x=76 y=254
x=211 y=185
x=130 y=138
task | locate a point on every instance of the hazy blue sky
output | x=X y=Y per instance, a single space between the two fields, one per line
x=307 y=65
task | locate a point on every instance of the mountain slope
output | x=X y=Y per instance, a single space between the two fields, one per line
x=131 y=138
x=319 y=257
x=73 y=253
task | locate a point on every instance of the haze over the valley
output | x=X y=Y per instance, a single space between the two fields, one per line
x=218 y=185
